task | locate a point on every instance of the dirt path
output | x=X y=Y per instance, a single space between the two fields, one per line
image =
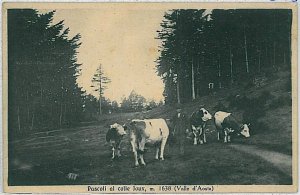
x=281 y=161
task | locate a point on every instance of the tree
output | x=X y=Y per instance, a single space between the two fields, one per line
x=42 y=68
x=100 y=81
x=226 y=46
x=133 y=103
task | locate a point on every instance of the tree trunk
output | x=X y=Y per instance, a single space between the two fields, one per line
x=32 y=121
x=19 y=121
x=178 y=89
x=28 y=111
x=198 y=76
x=41 y=91
x=65 y=112
x=259 y=61
x=231 y=66
x=274 y=42
x=284 y=60
x=246 y=52
x=266 y=60
x=219 y=72
x=60 y=115
x=100 y=92
x=274 y=54
x=193 y=81
x=61 y=104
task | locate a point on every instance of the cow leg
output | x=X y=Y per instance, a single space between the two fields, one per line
x=201 y=135
x=157 y=151
x=141 y=150
x=225 y=136
x=119 y=152
x=181 y=145
x=203 y=132
x=136 y=163
x=162 y=147
x=195 y=138
x=228 y=137
x=113 y=153
x=195 y=134
x=134 y=148
x=218 y=135
x=119 y=149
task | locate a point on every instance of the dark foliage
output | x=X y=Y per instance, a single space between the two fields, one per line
x=42 y=69
x=224 y=47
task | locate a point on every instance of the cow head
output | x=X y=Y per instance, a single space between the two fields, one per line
x=119 y=128
x=245 y=131
x=205 y=115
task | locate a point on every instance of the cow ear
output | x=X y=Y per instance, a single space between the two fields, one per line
x=249 y=124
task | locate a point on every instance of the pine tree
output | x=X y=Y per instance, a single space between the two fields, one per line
x=100 y=81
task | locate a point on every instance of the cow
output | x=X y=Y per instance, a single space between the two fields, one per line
x=153 y=131
x=198 y=122
x=114 y=136
x=227 y=125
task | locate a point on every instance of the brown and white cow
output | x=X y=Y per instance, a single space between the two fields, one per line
x=198 y=122
x=227 y=125
x=153 y=131
x=114 y=136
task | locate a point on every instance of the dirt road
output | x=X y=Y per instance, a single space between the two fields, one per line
x=281 y=161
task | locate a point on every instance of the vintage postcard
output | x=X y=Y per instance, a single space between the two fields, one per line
x=150 y=97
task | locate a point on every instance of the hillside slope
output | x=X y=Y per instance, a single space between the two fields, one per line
x=271 y=120
x=47 y=158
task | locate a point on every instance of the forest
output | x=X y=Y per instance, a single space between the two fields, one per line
x=204 y=50
x=199 y=49
x=43 y=70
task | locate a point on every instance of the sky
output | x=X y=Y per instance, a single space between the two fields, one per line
x=123 y=41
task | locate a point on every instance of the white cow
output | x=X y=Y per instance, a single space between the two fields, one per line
x=153 y=131
x=226 y=125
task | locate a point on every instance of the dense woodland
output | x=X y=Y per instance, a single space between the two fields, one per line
x=224 y=47
x=42 y=69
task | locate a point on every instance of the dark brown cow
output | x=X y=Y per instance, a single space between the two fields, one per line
x=198 y=122
x=114 y=136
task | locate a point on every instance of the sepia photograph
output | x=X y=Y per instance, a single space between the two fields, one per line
x=187 y=97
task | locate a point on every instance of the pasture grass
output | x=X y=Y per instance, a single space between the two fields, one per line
x=47 y=158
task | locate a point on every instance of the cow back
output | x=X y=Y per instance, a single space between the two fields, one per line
x=156 y=130
x=231 y=122
x=196 y=119
x=219 y=118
